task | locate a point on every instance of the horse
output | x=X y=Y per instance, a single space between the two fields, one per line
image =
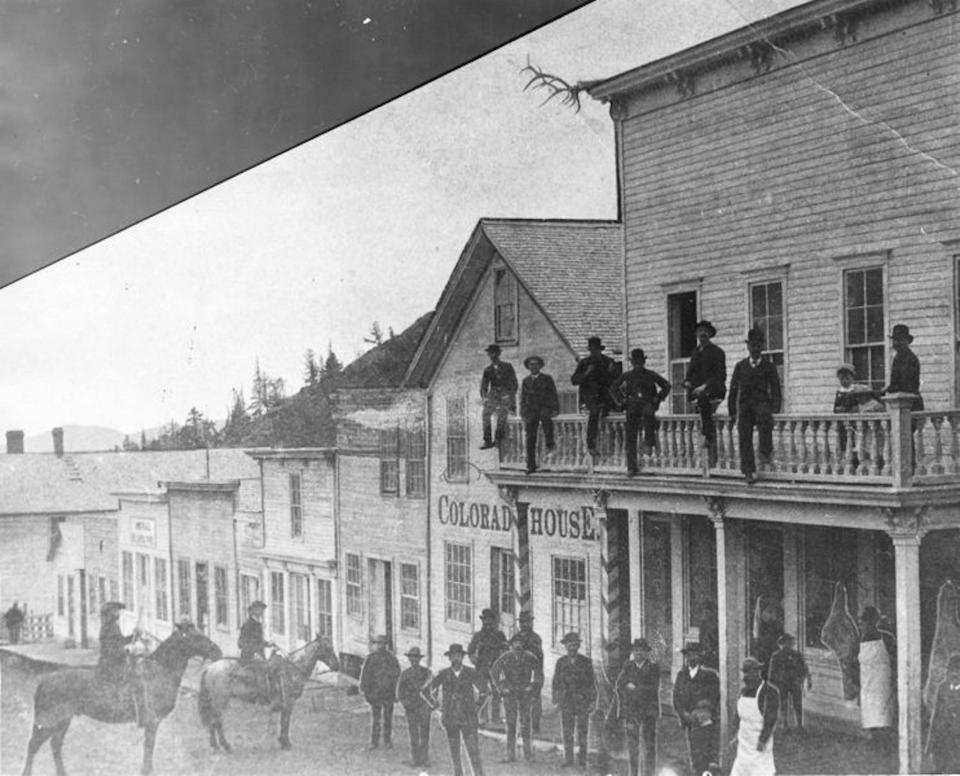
x=62 y=695
x=222 y=680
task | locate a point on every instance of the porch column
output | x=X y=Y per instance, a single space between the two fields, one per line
x=906 y=531
x=901 y=438
x=717 y=509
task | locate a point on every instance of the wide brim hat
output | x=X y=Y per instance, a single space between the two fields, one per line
x=538 y=359
x=709 y=327
x=640 y=644
x=692 y=646
x=785 y=638
x=488 y=614
x=380 y=639
x=637 y=355
x=493 y=349
x=847 y=367
x=525 y=617
x=184 y=622
x=755 y=336
x=571 y=638
x=413 y=652
x=901 y=331
x=595 y=342
x=455 y=649
x=517 y=638
x=112 y=606
x=256 y=605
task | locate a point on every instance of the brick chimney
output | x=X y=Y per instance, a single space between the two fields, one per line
x=14 y=443
x=58 y=441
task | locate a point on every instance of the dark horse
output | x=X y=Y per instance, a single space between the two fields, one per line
x=62 y=695
x=224 y=679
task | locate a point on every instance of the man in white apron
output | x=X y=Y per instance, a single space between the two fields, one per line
x=757 y=710
x=877 y=657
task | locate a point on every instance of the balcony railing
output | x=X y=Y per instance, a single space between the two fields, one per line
x=872 y=448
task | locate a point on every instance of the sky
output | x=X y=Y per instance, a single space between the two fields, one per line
x=364 y=223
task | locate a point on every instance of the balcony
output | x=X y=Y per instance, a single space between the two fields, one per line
x=856 y=449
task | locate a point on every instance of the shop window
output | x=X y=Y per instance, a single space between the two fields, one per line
x=354 y=586
x=458 y=578
x=160 y=588
x=325 y=607
x=300 y=602
x=389 y=460
x=456 y=438
x=126 y=563
x=864 y=330
x=569 y=598
x=278 y=613
x=829 y=557
x=681 y=340
x=767 y=314
x=220 y=605
x=61 y=607
x=502 y=595
x=296 y=506
x=504 y=306
x=416 y=462
x=409 y=596
x=184 y=588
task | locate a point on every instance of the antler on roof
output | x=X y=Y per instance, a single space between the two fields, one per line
x=555 y=85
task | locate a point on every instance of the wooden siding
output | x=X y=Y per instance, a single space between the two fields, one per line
x=25 y=574
x=317 y=487
x=851 y=153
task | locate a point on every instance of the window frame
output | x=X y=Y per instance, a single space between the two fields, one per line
x=512 y=288
x=410 y=601
x=278 y=609
x=325 y=607
x=458 y=609
x=127 y=577
x=221 y=598
x=562 y=608
x=295 y=485
x=389 y=445
x=677 y=363
x=353 y=588
x=415 y=462
x=456 y=433
x=162 y=611
x=771 y=353
x=184 y=587
x=865 y=263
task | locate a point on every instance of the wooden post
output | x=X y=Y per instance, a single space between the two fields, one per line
x=901 y=438
x=717 y=509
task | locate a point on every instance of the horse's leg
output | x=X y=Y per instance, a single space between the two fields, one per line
x=56 y=744
x=223 y=740
x=285 y=727
x=37 y=738
x=149 y=739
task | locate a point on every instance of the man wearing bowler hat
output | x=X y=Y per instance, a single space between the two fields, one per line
x=533 y=644
x=706 y=383
x=593 y=376
x=905 y=368
x=641 y=391
x=463 y=692
x=498 y=390
x=378 y=683
x=638 y=692
x=575 y=692
x=415 y=707
x=696 y=701
x=516 y=675
x=539 y=405
x=485 y=647
x=753 y=400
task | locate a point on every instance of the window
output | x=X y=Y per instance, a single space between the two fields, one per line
x=766 y=313
x=504 y=306
x=325 y=607
x=92 y=595
x=502 y=596
x=203 y=596
x=60 y=598
x=829 y=557
x=409 y=596
x=569 y=597
x=114 y=592
x=278 y=614
x=71 y=606
x=300 y=605
x=458 y=575
x=220 y=595
x=160 y=588
x=183 y=587
x=102 y=590
x=389 y=461
x=249 y=590
x=416 y=455
x=864 y=330
x=681 y=340
x=569 y=401
x=296 y=510
x=456 y=438
x=127 y=569
x=143 y=582
x=354 y=580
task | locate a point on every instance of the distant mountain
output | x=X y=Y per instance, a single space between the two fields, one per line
x=79 y=438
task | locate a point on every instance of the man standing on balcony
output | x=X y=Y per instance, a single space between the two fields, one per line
x=498 y=389
x=905 y=369
x=706 y=383
x=641 y=391
x=539 y=405
x=594 y=375
x=754 y=399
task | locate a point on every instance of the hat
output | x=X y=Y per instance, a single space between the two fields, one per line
x=614 y=644
x=709 y=327
x=640 y=644
x=413 y=652
x=846 y=367
x=110 y=606
x=488 y=614
x=493 y=349
x=525 y=617
x=455 y=649
x=595 y=342
x=184 y=622
x=380 y=639
x=901 y=331
x=953 y=664
x=528 y=359
x=750 y=664
x=785 y=638
x=517 y=638
x=692 y=646
x=571 y=638
x=870 y=614
x=256 y=605
x=637 y=355
x=755 y=336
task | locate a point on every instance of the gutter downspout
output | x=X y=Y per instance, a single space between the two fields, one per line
x=428 y=478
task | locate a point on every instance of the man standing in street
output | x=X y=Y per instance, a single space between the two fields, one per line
x=696 y=701
x=757 y=710
x=415 y=707
x=498 y=390
x=706 y=383
x=463 y=691
x=641 y=391
x=638 y=692
x=533 y=644
x=594 y=375
x=485 y=647
x=378 y=683
x=13 y=619
x=575 y=692
x=516 y=675
x=539 y=405
x=754 y=399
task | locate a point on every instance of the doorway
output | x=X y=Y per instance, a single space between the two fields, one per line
x=503 y=598
x=380 y=600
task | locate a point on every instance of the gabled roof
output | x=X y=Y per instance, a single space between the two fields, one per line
x=572 y=270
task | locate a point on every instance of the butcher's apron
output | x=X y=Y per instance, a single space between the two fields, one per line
x=750 y=762
x=876 y=685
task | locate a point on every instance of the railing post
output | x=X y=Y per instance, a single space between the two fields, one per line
x=901 y=438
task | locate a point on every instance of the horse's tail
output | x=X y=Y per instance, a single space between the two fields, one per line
x=205 y=702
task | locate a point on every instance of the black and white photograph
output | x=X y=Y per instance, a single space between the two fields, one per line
x=513 y=387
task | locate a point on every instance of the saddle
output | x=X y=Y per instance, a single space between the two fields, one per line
x=261 y=678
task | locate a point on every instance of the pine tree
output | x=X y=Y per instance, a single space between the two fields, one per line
x=311 y=370
x=376 y=335
x=332 y=366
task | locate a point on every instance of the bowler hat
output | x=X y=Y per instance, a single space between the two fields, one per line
x=847 y=367
x=750 y=664
x=380 y=639
x=708 y=327
x=691 y=646
x=637 y=356
x=785 y=638
x=755 y=336
x=517 y=638
x=571 y=638
x=901 y=331
x=525 y=617
x=256 y=605
x=185 y=623
x=455 y=649
x=538 y=359
x=413 y=652
x=595 y=342
x=493 y=349
x=488 y=614
x=640 y=644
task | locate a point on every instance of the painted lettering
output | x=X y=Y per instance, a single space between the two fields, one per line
x=442 y=505
x=562 y=527
x=485 y=517
x=549 y=522
x=588 y=533
x=474 y=516
x=535 y=520
x=574 y=524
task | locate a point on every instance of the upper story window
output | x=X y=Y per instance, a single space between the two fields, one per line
x=767 y=313
x=681 y=340
x=354 y=586
x=456 y=438
x=416 y=462
x=389 y=460
x=864 y=332
x=296 y=506
x=504 y=306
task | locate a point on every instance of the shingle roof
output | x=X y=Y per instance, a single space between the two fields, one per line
x=42 y=483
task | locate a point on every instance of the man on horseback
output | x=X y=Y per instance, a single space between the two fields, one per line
x=116 y=666
x=253 y=658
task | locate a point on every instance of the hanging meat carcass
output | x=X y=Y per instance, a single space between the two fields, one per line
x=841 y=635
x=946 y=640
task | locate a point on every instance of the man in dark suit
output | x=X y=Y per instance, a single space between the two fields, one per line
x=594 y=375
x=706 y=383
x=539 y=405
x=486 y=645
x=533 y=644
x=696 y=701
x=378 y=683
x=516 y=675
x=575 y=692
x=754 y=399
x=415 y=707
x=498 y=389
x=463 y=691
x=638 y=693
